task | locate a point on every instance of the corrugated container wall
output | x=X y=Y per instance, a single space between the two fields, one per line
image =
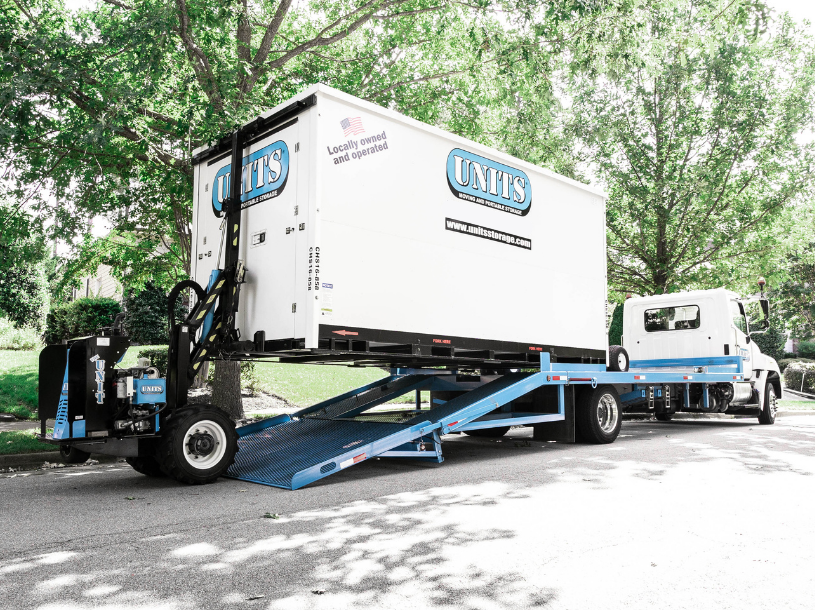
x=360 y=222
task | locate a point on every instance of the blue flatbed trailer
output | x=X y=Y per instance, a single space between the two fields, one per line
x=291 y=451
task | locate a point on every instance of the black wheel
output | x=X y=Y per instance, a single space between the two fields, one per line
x=146 y=465
x=767 y=415
x=663 y=416
x=598 y=414
x=617 y=358
x=72 y=455
x=197 y=445
x=488 y=432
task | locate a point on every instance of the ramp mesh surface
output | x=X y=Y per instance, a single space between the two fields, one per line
x=274 y=455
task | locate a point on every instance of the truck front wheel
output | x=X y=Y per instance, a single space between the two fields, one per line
x=767 y=415
x=598 y=414
x=198 y=444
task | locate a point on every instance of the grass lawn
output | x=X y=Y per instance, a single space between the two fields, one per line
x=22 y=441
x=307 y=384
x=18 y=383
x=796 y=404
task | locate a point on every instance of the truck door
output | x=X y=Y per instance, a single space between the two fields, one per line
x=740 y=332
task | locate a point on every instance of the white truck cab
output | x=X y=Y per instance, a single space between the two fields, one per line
x=688 y=327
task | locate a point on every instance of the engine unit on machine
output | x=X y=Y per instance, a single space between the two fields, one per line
x=89 y=398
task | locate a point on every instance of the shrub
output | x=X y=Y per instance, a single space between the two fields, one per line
x=146 y=315
x=806 y=349
x=79 y=318
x=615 y=329
x=24 y=294
x=800 y=377
x=15 y=338
x=785 y=362
x=158 y=357
x=772 y=341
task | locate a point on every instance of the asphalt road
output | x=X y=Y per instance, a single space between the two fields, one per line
x=692 y=514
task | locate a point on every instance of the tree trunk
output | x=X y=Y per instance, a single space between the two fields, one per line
x=226 y=390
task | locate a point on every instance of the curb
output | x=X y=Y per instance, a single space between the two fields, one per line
x=20 y=460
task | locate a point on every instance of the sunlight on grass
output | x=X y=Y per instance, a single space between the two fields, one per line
x=18 y=383
x=22 y=441
x=307 y=384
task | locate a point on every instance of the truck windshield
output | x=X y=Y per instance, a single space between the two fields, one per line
x=684 y=317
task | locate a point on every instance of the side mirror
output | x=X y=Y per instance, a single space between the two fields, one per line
x=765 y=307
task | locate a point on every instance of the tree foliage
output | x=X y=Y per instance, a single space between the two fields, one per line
x=692 y=126
x=794 y=297
x=103 y=107
x=146 y=315
x=23 y=282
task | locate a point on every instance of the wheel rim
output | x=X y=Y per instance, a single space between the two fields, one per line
x=622 y=361
x=204 y=444
x=772 y=402
x=607 y=413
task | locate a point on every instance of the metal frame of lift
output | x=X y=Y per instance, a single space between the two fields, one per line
x=422 y=439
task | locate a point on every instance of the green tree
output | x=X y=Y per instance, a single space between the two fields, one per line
x=794 y=298
x=23 y=282
x=615 y=329
x=146 y=315
x=692 y=125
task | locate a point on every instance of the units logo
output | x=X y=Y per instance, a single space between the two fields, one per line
x=152 y=389
x=99 y=377
x=263 y=176
x=486 y=182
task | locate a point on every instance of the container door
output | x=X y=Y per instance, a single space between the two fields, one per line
x=268 y=236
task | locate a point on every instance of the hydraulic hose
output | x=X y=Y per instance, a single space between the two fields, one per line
x=173 y=296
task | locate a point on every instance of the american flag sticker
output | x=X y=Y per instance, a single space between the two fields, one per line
x=352 y=126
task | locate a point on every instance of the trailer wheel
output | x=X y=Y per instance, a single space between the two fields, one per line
x=72 y=455
x=198 y=444
x=488 y=432
x=767 y=415
x=618 y=358
x=146 y=465
x=663 y=416
x=598 y=415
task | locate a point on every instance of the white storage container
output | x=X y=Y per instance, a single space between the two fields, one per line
x=361 y=224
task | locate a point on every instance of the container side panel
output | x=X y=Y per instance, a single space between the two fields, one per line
x=421 y=234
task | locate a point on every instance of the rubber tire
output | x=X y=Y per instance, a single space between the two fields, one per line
x=586 y=419
x=767 y=417
x=663 y=416
x=146 y=465
x=488 y=432
x=72 y=455
x=171 y=450
x=614 y=353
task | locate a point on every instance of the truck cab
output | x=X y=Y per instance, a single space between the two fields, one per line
x=690 y=328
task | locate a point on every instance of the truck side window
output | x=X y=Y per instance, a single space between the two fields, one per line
x=737 y=313
x=684 y=317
